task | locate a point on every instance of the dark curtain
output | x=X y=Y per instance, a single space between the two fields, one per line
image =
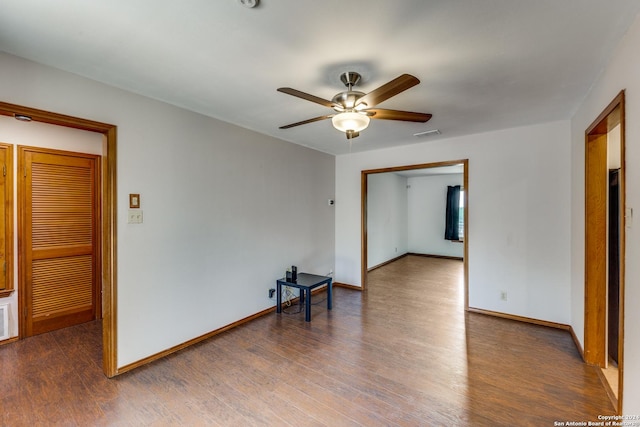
x=453 y=213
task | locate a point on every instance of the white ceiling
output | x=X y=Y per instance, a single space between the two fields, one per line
x=483 y=65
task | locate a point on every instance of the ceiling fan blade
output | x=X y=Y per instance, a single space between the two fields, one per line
x=304 y=122
x=308 y=97
x=407 y=116
x=388 y=90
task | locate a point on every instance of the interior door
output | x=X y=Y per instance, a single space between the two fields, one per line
x=59 y=237
x=613 y=317
x=596 y=186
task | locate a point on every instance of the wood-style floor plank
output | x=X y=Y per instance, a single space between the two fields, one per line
x=403 y=353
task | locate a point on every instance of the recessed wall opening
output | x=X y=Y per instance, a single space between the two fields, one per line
x=605 y=215
x=384 y=248
x=108 y=215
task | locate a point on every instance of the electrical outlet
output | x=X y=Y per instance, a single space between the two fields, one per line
x=134 y=216
x=503 y=295
x=272 y=292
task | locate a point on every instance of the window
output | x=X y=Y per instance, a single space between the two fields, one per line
x=454 y=217
x=461 y=216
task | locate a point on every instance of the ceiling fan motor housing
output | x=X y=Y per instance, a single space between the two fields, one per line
x=347 y=99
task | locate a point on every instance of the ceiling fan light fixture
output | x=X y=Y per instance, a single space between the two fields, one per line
x=350 y=121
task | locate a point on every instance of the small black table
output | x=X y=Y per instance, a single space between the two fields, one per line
x=305 y=282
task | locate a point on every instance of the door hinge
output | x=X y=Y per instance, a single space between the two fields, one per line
x=4 y=170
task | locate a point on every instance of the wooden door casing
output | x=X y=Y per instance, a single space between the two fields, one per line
x=6 y=219
x=59 y=196
x=596 y=178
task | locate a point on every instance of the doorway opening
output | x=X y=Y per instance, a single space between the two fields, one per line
x=410 y=169
x=605 y=214
x=107 y=228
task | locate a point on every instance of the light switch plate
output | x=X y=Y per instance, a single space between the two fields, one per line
x=134 y=201
x=135 y=216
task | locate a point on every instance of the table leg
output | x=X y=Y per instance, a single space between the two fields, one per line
x=330 y=295
x=307 y=305
x=278 y=297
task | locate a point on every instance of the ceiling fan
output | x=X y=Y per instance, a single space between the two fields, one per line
x=353 y=110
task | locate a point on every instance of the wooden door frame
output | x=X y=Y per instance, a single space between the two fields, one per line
x=108 y=215
x=595 y=293
x=363 y=220
x=8 y=231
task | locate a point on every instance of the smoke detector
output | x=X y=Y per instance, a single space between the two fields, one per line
x=248 y=3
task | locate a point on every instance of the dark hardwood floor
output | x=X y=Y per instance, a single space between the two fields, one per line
x=402 y=353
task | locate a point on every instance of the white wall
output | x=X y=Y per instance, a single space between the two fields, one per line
x=226 y=210
x=622 y=72
x=386 y=217
x=427 y=211
x=519 y=214
x=34 y=134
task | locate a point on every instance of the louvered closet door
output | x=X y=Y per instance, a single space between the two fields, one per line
x=60 y=233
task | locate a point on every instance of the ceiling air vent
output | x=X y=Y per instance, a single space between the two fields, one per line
x=427 y=133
